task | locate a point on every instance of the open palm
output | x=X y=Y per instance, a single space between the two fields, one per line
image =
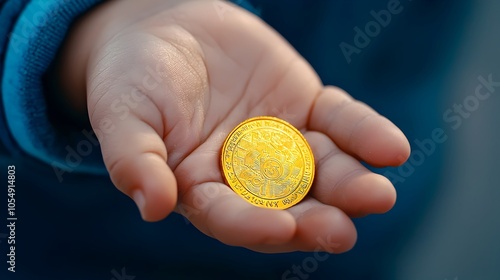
x=175 y=84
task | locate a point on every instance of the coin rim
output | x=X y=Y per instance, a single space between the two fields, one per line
x=313 y=164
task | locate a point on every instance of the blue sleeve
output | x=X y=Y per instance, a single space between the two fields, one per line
x=31 y=32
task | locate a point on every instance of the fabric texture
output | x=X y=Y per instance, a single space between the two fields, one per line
x=34 y=36
x=9 y=12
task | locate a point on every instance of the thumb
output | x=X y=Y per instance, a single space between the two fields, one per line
x=136 y=158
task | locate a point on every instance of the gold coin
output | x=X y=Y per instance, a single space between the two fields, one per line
x=268 y=162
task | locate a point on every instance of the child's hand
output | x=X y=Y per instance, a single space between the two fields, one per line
x=173 y=83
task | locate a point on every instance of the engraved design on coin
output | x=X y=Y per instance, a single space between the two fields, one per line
x=272 y=169
x=268 y=162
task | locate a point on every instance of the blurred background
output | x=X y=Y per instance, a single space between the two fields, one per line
x=459 y=235
x=421 y=70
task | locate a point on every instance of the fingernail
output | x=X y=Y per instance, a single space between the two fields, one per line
x=139 y=199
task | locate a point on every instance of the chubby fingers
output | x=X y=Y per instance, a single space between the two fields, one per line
x=220 y=213
x=358 y=129
x=342 y=181
x=308 y=226
x=320 y=228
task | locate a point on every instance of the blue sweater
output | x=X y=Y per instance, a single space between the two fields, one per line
x=73 y=224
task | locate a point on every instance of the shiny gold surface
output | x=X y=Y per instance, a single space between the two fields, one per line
x=268 y=162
